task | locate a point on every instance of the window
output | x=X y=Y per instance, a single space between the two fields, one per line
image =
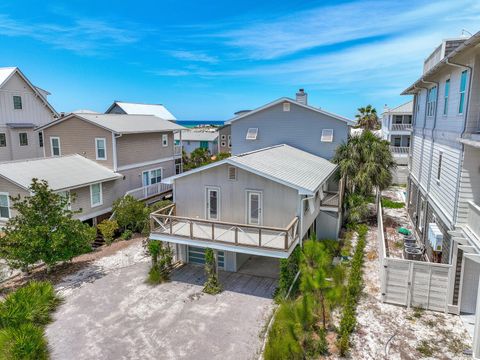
x=431 y=101
x=23 y=139
x=213 y=203
x=96 y=198
x=151 y=177
x=286 y=106
x=463 y=85
x=232 y=173
x=397 y=119
x=204 y=144
x=223 y=137
x=327 y=135
x=407 y=119
x=3 y=140
x=397 y=141
x=164 y=140
x=445 y=97
x=4 y=206
x=17 y=102
x=55 y=146
x=100 y=149
x=439 y=170
x=40 y=139
x=252 y=134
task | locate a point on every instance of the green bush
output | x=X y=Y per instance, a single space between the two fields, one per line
x=390 y=204
x=212 y=285
x=130 y=213
x=288 y=269
x=107 y=228
x=25 y=342
x=127 y=234
x=159 y=205
x=162 y=257
x=32 y=303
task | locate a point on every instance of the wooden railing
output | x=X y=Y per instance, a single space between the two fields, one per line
x=146 y=192
x=164 y=221
x=331 y=199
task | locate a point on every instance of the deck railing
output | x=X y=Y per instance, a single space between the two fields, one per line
x=177 y=149
x=164 y=221
x=473 y=219
x=330 y=199
x=401 y=127
x=403 y=150
x=146 y=192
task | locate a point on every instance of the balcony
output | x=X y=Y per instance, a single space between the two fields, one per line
x=400 y=150
x=473 y=218
x=177 y=150
x=166 y=226
x=146 y=192
x=401 y=127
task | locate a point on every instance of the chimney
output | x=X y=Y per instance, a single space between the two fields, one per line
x=301 y=97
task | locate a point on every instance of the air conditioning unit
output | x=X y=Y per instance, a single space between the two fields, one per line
x=435 y=237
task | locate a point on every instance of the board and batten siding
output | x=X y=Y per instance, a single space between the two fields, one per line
x=279 y=201
x=78 y=137
x=139 y=148
x=299 y=127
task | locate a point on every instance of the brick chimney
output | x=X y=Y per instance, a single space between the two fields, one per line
x=301 y=97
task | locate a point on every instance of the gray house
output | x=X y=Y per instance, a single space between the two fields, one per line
x=444 y=178
x=251 y=207
x=292 y=122
x=194 y=139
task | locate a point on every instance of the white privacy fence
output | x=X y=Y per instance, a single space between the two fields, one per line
x=409 y=282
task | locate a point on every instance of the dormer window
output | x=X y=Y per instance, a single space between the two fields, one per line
x=252 y=134
x=286 y=106
x=327 y=135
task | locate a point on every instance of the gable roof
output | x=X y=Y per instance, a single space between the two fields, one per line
x=286 y=99
x=402 y=109
x=190 y=135
x=122 y=123
x=7 y=72
x=143 y=109
x=281 y=163
x=62 y=173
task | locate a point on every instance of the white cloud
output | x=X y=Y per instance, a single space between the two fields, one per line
x=193 y=56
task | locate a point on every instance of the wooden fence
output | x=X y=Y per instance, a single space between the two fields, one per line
x=408 y=282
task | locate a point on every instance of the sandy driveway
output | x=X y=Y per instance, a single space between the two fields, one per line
x=110 y=313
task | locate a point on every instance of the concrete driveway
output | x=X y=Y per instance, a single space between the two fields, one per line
x=118 y=316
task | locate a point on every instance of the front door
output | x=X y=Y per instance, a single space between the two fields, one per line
x=254 y=207
x=213 y=203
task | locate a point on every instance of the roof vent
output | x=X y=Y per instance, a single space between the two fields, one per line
x=301 y=97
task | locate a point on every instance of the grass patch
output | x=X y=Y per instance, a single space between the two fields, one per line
x=390 y=204
x=425 y=348
x=23 y=314
x=418 y=312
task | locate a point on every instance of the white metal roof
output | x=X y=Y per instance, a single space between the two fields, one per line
x=145 y=109
x=124 y=123
x=281 y=163
x=189 y=135
x=286 y=99
x=64 y=172
x=406 y=108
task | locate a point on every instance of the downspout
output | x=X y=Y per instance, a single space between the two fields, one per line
x=114 y=150
x=301 y=217
x=460 y=163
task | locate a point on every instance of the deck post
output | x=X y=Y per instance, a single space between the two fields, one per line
x=286 y=240
x=236 y=235
x=259 y=237
x=213 y=231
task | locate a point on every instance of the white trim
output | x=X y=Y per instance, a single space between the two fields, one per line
x=8 y=206
x=114 y=152
x=252 y=134
x=59 y=145
x=249 y=192
x=146 y=163
x=165 y=140
x=92 y=205
x=325 y=137
x=149 y=178
x=104 y=148
x=209 y=188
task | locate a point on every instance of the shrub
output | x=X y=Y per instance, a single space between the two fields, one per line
x=390 y=204
x=154 y=248
x=25 y=342
x=212 y=285
x=32 y=303
x=130 y=213
x=127 y=234
x=162 y=257
x=288 y=270
x=107 y=228
x=159 y=205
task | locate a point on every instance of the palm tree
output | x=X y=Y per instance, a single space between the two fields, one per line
x=366 y=162
x=367 y=118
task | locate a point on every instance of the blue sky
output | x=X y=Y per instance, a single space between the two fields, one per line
x=205 y=60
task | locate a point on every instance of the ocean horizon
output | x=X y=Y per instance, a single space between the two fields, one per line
x=193 y=123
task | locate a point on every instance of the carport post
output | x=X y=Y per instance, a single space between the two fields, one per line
x=215 y=253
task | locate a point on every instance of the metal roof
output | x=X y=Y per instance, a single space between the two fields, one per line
x=62 y=173
x=281 y=163
x=286 y=99
x=190 y=135
x=144 y=109
x=124 y=123
x=406 y=108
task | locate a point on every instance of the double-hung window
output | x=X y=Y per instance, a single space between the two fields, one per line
x=23 y=137
x=96 y=196
x=432 y=101
x=151 y=177
x=4 y=206
x=463 y=86
x=55 y=146
x=101 y=148
x=445 y=97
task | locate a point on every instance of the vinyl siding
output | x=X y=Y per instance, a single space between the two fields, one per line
x=139 y=148
x=83 y=200
x=13 y=150
x=13 y=190
x=190 y=146
x=299 y=127
x=279 y=202
x=78 y=137
x=469 y=182
x=416 y=156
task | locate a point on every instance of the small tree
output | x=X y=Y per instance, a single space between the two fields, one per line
x=107 y=228
x=130 y=213
x=212 y=285
x=162 y=257
x=43 y=230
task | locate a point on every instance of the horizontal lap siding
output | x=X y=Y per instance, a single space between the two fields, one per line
x=138 y=148
x=83 y=200
x=416 y=156
x=133 y=177
x=13 y=191
x=425 y=164
x=469 y=182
